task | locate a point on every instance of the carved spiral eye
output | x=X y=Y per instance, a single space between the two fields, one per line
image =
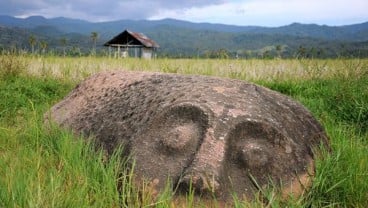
x=181 y=129
x=170 y=142
x=181 y=137
x=252 y=145
x=256 y=153
x=253 y=155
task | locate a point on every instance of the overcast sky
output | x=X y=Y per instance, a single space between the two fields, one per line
x=235 y=12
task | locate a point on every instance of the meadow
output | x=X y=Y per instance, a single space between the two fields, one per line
x=50 y=167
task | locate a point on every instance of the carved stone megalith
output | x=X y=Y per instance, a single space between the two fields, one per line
x=221 y=135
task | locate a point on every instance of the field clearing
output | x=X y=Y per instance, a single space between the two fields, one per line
x=251 y=70
x=51 y=168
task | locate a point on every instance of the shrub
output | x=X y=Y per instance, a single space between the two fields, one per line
x=11 y=65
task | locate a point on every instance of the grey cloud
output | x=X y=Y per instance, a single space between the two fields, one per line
x=185 y=4
x=98 y=9
x=19 y=7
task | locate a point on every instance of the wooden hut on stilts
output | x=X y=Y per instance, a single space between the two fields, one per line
x=132 y=44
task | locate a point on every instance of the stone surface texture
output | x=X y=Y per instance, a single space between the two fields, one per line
x=224 y=136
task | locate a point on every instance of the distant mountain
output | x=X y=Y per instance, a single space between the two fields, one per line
x=357 y=32
x=13 y=37
x=183 y=38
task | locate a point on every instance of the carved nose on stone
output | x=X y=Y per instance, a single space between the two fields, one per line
x=203 y=175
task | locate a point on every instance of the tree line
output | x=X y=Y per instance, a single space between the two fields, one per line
x=92 y=45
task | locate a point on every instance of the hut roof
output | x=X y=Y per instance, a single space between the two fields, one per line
x=132 y=38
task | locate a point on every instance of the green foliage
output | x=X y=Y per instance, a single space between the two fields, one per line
x=346 y=100
x=51 y=168
x=341 y=104
x=11 y=65
x=349 y=102
x=341 y=176
x=19 y=94
x=182 y=39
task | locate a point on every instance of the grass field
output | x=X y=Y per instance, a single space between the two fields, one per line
x=42 y=167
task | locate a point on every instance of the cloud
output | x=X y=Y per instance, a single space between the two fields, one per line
x=238 y=12
x=276 y=12
x=328 y=11
x=18 y=7
x=98 y=10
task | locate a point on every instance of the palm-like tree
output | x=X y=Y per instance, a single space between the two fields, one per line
x=301 y=52
x=94 y=37
x=32 y=41
x=43 y=45
x=63 y=42
x=279 y=50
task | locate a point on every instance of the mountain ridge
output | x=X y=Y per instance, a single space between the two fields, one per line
x=180 y=38
x=355 y=32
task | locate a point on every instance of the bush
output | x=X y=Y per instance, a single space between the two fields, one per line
x=11 y=65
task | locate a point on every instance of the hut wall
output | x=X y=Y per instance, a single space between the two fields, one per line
x=146 y=53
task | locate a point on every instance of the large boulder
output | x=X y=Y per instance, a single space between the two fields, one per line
x=224 y=136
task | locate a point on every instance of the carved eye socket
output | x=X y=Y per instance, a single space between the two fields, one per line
x=169 y=144
x=179 y=137
x=182 y=128
x=258 y=150
x=253 y=145
x=253 y=155
x=257 y=153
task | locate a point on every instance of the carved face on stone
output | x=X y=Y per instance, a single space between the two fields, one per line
x=222 y=136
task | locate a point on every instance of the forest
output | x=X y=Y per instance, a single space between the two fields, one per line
x=180 y=39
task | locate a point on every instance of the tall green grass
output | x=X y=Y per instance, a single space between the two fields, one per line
x=342 y=107
x=44 y=166
x=49 y=167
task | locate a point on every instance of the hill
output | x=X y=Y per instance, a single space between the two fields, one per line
x=182 y=38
